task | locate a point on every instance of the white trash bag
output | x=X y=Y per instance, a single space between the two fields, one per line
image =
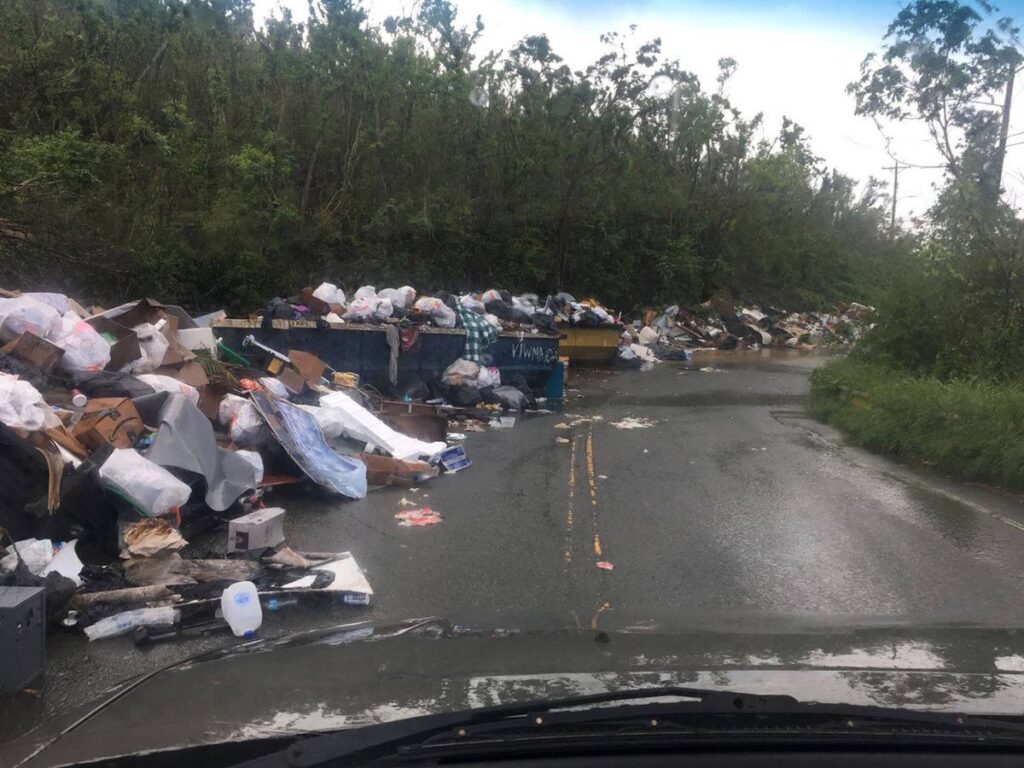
x=359 y=309
x=442 y=315
x=22 y=407
x=27 y=314
x=56 y=300
x=153 y=345
x=153 y=489
x=166 y=384
x=330 y=293
x=248 y=429
x=84 y=348
x=383 y=309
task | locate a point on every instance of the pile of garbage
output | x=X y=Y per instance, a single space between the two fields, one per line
x=675 y=333
x=500 y=308
x=127 y=432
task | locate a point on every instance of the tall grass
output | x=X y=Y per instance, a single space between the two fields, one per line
x=965 y=429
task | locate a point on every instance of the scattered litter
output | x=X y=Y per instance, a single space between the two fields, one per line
x=455 y=460
x=418 y=517
x=562 y=440
x=604 y=565
x=634 y=422
x=147 y=537
x=709 y=369
x=602 y=477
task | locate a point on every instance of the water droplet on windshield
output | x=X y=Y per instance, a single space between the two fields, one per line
x=478 y=96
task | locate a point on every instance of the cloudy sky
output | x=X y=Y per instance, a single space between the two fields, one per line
x=795 y=59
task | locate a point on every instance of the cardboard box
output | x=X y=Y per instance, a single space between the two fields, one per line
x=124 y=344
x=257 y=530
x=292 y=380
x=112 y=420
x=386 y=470
x=316 y=305
x=153 y=312
x=35 y=351
x=309 y=366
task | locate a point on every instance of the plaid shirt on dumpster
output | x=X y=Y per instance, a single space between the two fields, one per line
x=480 y=334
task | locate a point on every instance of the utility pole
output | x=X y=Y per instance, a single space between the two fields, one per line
x=895 y=168
x=1004 y=131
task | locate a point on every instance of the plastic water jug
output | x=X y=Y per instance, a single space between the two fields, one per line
x=241 y=607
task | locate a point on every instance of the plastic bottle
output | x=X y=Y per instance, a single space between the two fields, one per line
x=241 y=607
x=78 y=399
x=125 y=622
x=274 y=604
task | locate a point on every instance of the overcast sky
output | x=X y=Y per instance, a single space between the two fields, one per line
x=795 y=59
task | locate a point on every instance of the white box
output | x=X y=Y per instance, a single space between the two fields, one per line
x=257 y=530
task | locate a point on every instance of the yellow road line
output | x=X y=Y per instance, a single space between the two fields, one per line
x=592 y=478
x=572 y=494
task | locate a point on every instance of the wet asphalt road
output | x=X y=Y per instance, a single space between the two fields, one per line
x=724 y=507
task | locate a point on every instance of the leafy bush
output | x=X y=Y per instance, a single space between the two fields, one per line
x=971 y=430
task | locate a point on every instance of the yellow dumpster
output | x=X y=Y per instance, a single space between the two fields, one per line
x=589 y=346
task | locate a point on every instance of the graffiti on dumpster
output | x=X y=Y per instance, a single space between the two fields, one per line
x=533 y=353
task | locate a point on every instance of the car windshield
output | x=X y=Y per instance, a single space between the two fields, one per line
x=406 y=356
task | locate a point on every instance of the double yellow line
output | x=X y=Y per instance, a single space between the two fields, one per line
x=592 y=483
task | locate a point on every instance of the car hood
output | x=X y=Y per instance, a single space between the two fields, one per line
x=366 y=673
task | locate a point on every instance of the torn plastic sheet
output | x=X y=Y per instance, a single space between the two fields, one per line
x=362 y=425
x=300 y=436
x=185 y=440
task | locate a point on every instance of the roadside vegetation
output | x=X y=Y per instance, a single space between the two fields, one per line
x=186 y=150
x=970 y=430
x=938 y=379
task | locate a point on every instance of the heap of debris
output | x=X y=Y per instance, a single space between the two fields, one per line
x=500 y=308
x=127 y=432
x=675 y=333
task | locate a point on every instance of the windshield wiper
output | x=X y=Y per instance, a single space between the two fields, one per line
x=701 y=714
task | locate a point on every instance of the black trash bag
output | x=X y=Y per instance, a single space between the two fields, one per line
x=57 y=590
x=110 y=384
x=409 y=385
x=505 y=295
x=24 y=478
x=544 y=322
x=25 y=372
x=276 y=309
x=518 y=381
x=279 y=309
x=87 y=512
x=462 y=395
x=509 y=398
x=500 y=309
x=505 y=311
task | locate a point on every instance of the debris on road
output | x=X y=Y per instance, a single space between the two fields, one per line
x=604 y=565
x=634 y=422
x=418 y=517
x=676 y=333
